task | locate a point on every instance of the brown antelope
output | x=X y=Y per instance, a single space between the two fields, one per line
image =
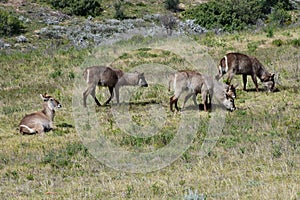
x=197 y=83
x=40 y=122
x=237 y=63
x=111 y=78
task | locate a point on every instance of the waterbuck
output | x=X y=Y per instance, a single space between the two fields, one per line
x=111 y=78
x=40 y=122
x=237 y=63
x=197 y=83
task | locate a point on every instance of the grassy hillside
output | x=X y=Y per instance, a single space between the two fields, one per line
x=256 y=156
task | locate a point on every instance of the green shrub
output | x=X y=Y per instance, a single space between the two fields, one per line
x=172 y=5
x=277 y=42
x=77 y=7
x=279 y=16
x=119 y=11
x=270 y=31
x=295 y=42
x=252 y=46
x=10 y=24
x=231 y=15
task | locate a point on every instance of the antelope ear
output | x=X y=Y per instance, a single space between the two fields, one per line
x=44 y=97
x=226 y=95
x=273 y=75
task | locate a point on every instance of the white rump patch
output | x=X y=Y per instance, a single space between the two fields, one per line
x=174 y=84
x=88 y=76
x=226 y=64
x=30 y=129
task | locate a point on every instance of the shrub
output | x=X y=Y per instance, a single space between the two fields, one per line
x=277 y=42
x=169 y=22
x=279 y=16
x=10 y=24
x=295 y=42
x=77 y=7
x=231 y=15
x=172 y=5
x=270 y=31
x=119 y=11
x=252 y=46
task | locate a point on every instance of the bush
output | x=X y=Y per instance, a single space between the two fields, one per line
x=119 y=12
x=270 y=31
x=252 y=46
x=277 y=42
x=77 y=7
x=169 y=22
x=279 y=16
x=172 y=5
x=10 y=24
x=231 y=15
x=295 y=42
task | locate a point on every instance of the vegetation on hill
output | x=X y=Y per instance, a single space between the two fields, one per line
x=75 y=7
x=236 y=15
x=10 y=24
x=256 y=154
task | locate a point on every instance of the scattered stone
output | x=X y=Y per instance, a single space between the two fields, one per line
x=88 y=32
x=181 y=6
x=24 y=19
x=90 y=18
x=21 y=39
x=4 y=45
x=192 y=28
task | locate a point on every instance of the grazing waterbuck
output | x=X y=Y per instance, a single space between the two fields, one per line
x=237 y=63
x=111 y=78
x=196 y=83
x=40 y=122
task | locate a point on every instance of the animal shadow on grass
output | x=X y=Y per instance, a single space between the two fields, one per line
x=200 y=107
x=262 y=90
x=65 y=125
x=139 y=103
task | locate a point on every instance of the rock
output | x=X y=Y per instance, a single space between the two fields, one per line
x=90 y=18
x=54 y=32
x=21 y=39
x=181 y=6
x=190 y=27
x=24 y=19
x=4 y=45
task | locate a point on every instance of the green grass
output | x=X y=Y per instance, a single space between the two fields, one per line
x=256 y=155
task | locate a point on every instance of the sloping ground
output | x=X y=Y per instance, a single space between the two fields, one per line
x=256 y=155
x=43 y=23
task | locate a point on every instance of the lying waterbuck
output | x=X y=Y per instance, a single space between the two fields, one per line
x=40 y=122
x=196 y=83
x=111 y=78
x=237 y=63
